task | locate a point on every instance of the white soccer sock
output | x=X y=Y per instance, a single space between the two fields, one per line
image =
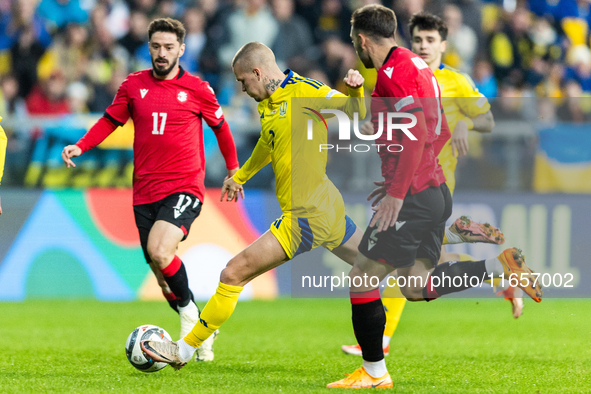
x=188 y=308
x=386 y=340
x=494 y=267
x=452 y=238
x=375 y=369
x=185 y=350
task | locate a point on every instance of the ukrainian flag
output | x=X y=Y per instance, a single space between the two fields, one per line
x=563 y=160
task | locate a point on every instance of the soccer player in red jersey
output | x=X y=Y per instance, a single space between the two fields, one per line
x=406 y=231
x=167 y=106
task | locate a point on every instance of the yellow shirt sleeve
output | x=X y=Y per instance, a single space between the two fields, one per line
x=347 y=106
x=3 y=143
x=471 y=102
x=260 y=157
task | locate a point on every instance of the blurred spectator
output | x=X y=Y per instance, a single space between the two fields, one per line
x=580 y=71
x=26 y=53
x=69 y=53
x=106 y=56
x=10 y=102
x=194 y=21
x=167 y=9
x=116 y=18
x=334 y=20
x=511 y=49
x=137 y=34
x=77 y=94
x=148 y=7
x=484 y=79
x=104 y=94
x=337 y=58
x=309 y=10
x=551 y=86
x=252 y=22
x=61 y=12
x=576 y=107
x=22 y=16
x=462 y=41
x=293 y=28
x=49 y=97
x=216 y=14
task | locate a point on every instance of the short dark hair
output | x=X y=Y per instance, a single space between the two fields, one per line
x=167 y=25
x=426 y=21
x=375 y=20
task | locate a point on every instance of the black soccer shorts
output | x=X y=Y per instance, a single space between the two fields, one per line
x=418 y=232
x=180 y=209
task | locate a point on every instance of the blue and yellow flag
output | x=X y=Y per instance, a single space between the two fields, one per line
x=563 y=160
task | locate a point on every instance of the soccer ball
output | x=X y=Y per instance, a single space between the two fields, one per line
x=134 y=352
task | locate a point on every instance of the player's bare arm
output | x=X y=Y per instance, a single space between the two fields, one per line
x=483 y=123
x=70 y=152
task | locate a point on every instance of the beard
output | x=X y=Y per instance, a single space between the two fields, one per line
x=163 y=71
x=365 y=59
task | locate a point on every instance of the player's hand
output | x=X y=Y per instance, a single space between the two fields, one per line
x=231 y=173
x=232 y=189
x=378 y=193
x=353 y=79
x=386 y=213
x=459 y=140
x=367 y=128
x=68 y=153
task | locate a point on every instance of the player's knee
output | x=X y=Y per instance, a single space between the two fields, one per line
x=160 y=255
x=230 y=276
x=412 y=293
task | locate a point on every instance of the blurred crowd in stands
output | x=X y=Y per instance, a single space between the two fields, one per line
x=70 y=56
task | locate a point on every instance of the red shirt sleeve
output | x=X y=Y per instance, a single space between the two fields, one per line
x=118 y=111
x=96 y=134
x=405 y=99
x=214 y=117
x=116 y=115
x=444 y=136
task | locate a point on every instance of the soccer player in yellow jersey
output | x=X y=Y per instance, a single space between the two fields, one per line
x=313 y=209
x=3 y=143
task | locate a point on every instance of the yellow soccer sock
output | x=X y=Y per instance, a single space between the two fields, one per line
x=394 y=302
x=218 y=309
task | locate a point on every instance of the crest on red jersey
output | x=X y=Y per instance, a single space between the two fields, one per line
x=182 y=97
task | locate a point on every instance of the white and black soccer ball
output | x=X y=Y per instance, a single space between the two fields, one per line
x=134 y=352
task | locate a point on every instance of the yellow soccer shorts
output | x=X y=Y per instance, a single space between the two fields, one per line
x=299 y=235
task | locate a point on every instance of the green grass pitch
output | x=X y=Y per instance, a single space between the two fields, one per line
x=293 y=346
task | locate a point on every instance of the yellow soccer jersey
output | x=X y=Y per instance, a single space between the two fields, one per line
x=3 y=143
x=302 y=187
x=460 y=100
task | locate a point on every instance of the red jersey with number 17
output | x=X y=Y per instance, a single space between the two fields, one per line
x=406 y=84
x=168 y=145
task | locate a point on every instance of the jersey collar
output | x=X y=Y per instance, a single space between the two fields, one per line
x=289 y=74
x=441 y=66
x=395 y=47
x=279 y=92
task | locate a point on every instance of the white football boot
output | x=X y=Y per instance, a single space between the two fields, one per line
x=205 y=351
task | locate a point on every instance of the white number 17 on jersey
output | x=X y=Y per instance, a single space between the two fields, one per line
x=163 y=122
